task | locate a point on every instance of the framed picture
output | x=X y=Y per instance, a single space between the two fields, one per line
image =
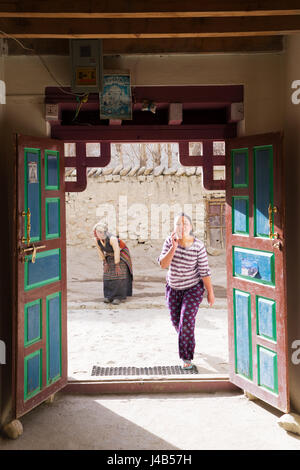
x=115 y=98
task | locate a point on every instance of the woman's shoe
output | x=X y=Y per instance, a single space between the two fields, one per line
x=116 y=301
x=106 y=300
x=187 y=365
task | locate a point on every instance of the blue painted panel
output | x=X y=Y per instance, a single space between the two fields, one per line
x=262 y=190
x=242 y=312
x=240 y=170
x=52 y=170
x=267 y=368
x=240 y=216
x=53 y=213
x=33 y=195
x=45 y=269
x=266 y=318
x=253 y=264
x=54 y=337
x=33 y=322
x=33 y=373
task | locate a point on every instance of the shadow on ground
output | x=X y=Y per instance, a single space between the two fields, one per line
x=81 y=424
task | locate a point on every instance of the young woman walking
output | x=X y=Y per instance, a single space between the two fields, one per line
x=188 y=276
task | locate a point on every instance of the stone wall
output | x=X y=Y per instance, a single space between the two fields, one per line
x=139 y=208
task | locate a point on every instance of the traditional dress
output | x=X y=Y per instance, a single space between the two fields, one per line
x=116 y=286
x=185 y=290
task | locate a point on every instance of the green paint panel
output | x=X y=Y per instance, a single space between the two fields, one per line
x=266 y=317
x=32 y=322
x=254 y=265
x=32 y=189
x=51 y=170
x=263 y=189
x=52 y=214
x=239 y=168
x=45 y=270
x=267 y=369
x=242 y=333
x=240 y=215
x=32 y=374
x=54 y=353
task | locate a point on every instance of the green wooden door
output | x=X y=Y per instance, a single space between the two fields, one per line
x=256 y=272
x=40 y=320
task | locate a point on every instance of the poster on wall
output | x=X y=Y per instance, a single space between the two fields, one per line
x=115 y=98
x=32 y=172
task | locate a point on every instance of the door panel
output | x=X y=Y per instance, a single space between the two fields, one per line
x=41 y=333
x=256 y=277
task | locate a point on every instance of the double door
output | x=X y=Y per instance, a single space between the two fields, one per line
x=256 y=272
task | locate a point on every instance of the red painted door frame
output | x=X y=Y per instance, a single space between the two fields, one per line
x=81 y=162
x=182 y=135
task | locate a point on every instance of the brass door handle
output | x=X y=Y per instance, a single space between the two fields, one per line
x=28 y=214
x=278 y=244
x=32 y=248
x=271 y=211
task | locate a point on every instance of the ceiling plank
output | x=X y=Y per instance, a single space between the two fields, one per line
x=156 y=46
x=194 y=45
x=146 y=9
x=150 y=28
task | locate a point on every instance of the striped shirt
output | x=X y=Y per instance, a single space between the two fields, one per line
x=188 y=265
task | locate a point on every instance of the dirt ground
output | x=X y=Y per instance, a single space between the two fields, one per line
x=138 y=332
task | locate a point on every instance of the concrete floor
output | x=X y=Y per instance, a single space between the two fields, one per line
x=153 y=422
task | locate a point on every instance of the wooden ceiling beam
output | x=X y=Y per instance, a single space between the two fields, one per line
x=146 y=9
x=150 y=28
x=194 y=45
x=156 y=46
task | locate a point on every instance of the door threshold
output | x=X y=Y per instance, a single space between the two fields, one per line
x=209 y=383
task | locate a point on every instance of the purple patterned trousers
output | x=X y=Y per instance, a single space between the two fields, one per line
x=183 y=306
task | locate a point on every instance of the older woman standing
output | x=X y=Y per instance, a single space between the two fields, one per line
x=117 y=266
x=188 y=274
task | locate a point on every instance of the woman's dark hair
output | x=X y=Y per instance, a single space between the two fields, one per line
x=183 y=214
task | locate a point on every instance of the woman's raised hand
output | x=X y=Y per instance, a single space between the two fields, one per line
x=174 y=238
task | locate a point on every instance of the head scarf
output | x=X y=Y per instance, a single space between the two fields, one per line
x=101 y=226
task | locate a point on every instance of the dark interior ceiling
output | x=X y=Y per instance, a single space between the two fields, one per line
x=155 y=46
x=150 y=27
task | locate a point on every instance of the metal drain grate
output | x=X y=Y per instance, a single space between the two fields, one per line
x=156 y=370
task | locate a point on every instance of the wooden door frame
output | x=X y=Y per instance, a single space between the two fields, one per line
x=203 y=383
x=215 y=201
x=169 y=133
x=182 y=134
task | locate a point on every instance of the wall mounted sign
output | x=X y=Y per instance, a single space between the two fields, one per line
x=115 y=99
